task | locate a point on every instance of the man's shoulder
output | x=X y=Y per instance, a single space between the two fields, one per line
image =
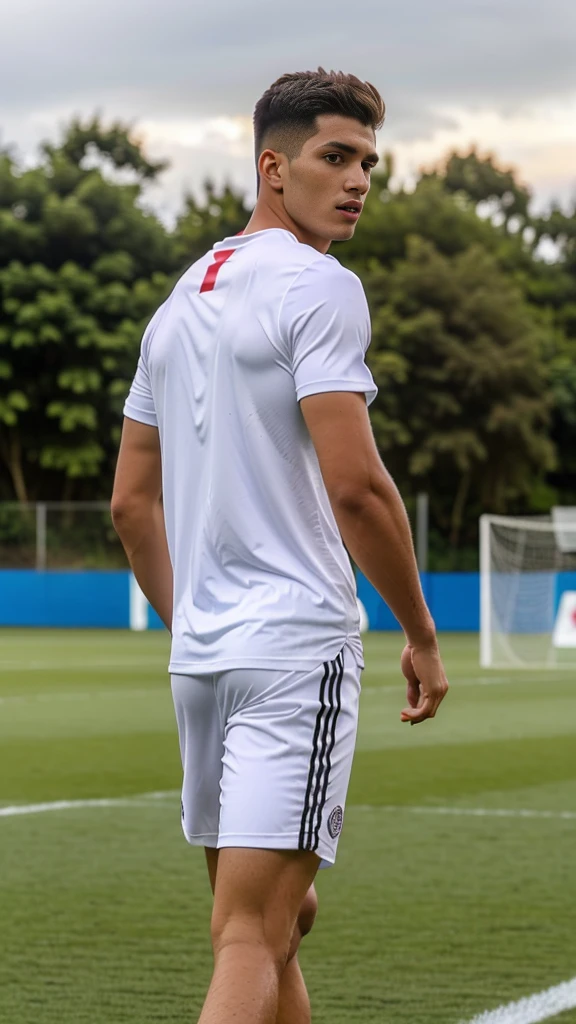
x=280 y=265
x=328 y=268
x=324 y=277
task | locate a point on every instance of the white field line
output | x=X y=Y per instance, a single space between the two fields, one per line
x=142 y=800
x=471 y=812
x=534 y=1008
x=47 y=698
x=82 y=695
x=88 y=665
x=471 y=681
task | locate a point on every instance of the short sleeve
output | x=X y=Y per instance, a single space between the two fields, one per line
x=139 y=403
x=326 y=324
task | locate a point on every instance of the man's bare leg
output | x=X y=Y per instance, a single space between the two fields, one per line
x=261 y=899
x=294 y=1001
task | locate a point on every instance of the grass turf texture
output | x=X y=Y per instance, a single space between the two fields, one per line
x=427 y=918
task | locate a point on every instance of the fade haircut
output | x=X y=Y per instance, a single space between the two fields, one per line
x=285 y=116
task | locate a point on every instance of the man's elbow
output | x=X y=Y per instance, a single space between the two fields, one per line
x=355 y=496
x=126 y=511
x=351 y=498
x=119 y=512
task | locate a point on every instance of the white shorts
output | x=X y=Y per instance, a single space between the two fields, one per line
x=267 y=755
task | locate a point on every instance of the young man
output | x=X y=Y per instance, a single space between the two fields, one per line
x=247 y=467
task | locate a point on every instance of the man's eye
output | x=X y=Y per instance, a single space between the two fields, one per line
x=333 y=157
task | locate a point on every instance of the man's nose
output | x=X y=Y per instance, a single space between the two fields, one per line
x=358 y=183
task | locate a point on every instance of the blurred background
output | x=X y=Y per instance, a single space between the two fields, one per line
x=125 y=152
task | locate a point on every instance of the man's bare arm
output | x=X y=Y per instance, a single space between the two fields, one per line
x=374 y=526
x=138 y=516
x=368 y=508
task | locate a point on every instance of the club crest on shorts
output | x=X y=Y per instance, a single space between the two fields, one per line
x=335 y=822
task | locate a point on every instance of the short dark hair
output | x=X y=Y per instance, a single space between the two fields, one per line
x=285 y=116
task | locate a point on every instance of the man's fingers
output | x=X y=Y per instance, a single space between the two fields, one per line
x=426 y=683
x=418 y=714
x=413 y=693
x=413 y=683
x=426 y=708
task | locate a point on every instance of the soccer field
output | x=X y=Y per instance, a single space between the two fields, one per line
x=455 y=885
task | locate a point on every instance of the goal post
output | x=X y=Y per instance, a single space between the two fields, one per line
x=485 y=592
x=528 y=591
x=138 y=606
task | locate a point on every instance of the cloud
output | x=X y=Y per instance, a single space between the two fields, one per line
x=188 y=74
x=221 y=149
x=540 y=143
x=215 y=59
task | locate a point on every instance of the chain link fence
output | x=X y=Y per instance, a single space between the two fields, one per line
x=80 y=535
x=59 y=535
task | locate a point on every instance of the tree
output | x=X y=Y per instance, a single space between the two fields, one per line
x=470 y=203
x=474 y=340
x=551 y=287
x=391 y=217
x=82 y=267
x=217 y=214
x=485 y=184
x=463 y=409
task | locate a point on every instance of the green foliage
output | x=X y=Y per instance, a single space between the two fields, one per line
x=390 y=218
x=82 y=268
x=463 y=408
x=481 y=180
x=474 y=344
x=217 y=215
x=115 y=142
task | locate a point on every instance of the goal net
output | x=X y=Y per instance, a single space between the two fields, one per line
x=528 y=591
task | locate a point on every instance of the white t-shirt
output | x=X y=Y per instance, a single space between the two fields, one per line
x=261 y=576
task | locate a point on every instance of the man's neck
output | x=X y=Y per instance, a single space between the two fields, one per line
x=266 y=217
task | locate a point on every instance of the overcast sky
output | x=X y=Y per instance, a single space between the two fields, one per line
x=498 y=72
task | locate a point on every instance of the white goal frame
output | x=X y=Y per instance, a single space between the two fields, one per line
x=562 y=526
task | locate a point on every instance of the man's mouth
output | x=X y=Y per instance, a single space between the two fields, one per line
x=351 y=210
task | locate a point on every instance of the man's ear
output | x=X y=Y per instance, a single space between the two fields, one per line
x=270 y=169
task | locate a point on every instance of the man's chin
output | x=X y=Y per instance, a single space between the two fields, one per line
x=344 y=233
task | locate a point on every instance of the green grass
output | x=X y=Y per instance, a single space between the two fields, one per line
x=429 y=916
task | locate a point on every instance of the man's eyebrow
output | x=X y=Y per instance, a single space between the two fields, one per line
x=372 y=158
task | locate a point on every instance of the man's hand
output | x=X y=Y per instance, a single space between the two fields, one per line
x=427 y=683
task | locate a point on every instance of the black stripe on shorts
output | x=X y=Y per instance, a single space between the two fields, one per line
x=322 y=747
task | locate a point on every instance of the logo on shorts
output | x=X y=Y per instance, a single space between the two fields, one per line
x=335 y=822
x=182 y=809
